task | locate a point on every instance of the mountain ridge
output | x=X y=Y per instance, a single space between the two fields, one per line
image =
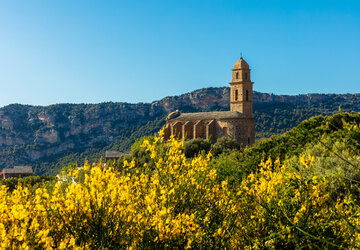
x=38 y=135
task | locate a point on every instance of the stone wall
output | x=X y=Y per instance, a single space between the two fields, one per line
x=243 y=130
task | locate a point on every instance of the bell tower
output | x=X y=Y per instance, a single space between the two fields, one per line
x=241 y=90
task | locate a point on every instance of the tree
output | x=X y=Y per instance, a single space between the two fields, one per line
x=195 y=146
x=225 y=144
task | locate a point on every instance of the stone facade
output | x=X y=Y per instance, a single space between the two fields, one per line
x=238 y=123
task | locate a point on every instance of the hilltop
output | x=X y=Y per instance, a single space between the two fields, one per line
x=49 y=137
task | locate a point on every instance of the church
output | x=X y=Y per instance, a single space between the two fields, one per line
x=238 y=123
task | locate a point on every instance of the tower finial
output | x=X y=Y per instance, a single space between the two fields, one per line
x=240 y=54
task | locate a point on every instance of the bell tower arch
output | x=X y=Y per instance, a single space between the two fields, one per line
x=241 y=89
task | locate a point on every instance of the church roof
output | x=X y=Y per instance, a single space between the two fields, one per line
x=241 y=64
x=209 y=116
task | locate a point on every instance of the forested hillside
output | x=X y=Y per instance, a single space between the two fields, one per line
x=50 y=137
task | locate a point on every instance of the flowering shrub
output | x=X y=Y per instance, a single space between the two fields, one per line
x=179 y=203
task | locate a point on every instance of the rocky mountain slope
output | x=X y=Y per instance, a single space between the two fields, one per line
x=40 y=135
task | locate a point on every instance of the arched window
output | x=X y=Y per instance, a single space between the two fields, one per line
x=245 y=75
x=248 y=140
x=236 y=95
x=247 y=95
x=237 y=75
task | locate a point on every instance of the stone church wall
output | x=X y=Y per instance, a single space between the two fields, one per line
x=243 y=130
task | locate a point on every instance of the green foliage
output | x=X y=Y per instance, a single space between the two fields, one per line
x=305 y=136
x=139 y=154
x=334 y=161
x=195 y=146
x=230 y=166
x=32 y=181
x=225 y=144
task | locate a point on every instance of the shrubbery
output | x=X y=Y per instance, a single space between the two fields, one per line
x=196 y=146
x=225 y=145
x=31 y=181
x=307 y=197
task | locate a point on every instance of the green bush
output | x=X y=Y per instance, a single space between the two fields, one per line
x=139 y=154
x=294 y=143
x=31 y=181
x=225 y=144
x=195 y=146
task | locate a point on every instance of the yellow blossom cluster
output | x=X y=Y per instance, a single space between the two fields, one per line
x=281 y=207
x=175 y=205
x=181 y=203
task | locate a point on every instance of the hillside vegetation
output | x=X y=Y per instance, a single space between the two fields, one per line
x=325 y=136
x=50 y=137
x=297 y=190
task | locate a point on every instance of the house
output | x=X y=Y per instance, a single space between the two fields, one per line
x=113 y=155
x=17 y=171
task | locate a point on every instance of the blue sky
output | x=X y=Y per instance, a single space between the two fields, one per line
x=140 y=51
